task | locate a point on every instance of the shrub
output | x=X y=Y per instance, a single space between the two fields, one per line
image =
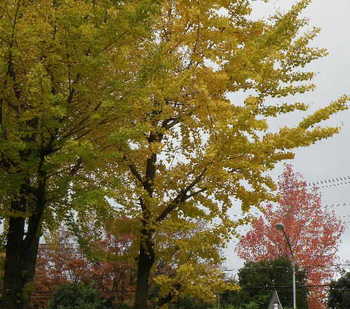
x=76 y=296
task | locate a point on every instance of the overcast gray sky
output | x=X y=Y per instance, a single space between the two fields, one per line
x=331 y=158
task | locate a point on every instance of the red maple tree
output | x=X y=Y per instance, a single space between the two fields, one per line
x=314 y=234
x=64 y=261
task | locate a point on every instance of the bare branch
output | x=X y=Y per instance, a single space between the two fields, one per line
x=197 y=192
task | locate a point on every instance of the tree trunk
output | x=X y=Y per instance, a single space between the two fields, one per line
x=13 y=281
x=145 y=263
x=21 y=255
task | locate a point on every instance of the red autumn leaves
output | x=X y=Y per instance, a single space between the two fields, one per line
x=314 y=234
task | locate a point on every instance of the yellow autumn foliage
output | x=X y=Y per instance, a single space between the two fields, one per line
x=203 y=149
x=163 y=105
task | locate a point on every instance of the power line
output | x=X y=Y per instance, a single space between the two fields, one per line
x=308 y=286
x=283 y=267
x=330 y=182
x=336 y=205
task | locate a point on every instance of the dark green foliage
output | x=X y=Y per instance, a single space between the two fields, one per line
x=76 y=296
x=229 y=299
x=258 y=280
x=190 y=303
x=339 y=293
x=121 y=306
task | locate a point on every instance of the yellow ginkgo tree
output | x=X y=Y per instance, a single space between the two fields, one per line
x=197 y=151
x=133 y=98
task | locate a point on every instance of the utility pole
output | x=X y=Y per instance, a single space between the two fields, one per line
x=280 y=227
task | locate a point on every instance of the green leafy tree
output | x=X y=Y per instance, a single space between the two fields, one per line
x=258 y=280
x=339 y=293
x=65 y=78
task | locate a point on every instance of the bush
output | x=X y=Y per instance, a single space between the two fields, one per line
x=76 y=296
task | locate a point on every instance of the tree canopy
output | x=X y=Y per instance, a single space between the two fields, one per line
x=200 y=151
x=66 y=76
x=314 y=233
x=133 y=100
x=258 y=280
x=339 y=292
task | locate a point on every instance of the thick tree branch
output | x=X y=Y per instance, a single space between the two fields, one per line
x=171 y=122
x=142 y=205
x=182 y=196
x=134 y=171
x=151 y=163
x=76 y=167
x=196 y=192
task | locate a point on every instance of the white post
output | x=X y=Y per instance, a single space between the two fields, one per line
x=294 y=288
x=280 y=227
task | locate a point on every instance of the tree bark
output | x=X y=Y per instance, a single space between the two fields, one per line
x=21 y=253
x=145 y=263
x=13 y=281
